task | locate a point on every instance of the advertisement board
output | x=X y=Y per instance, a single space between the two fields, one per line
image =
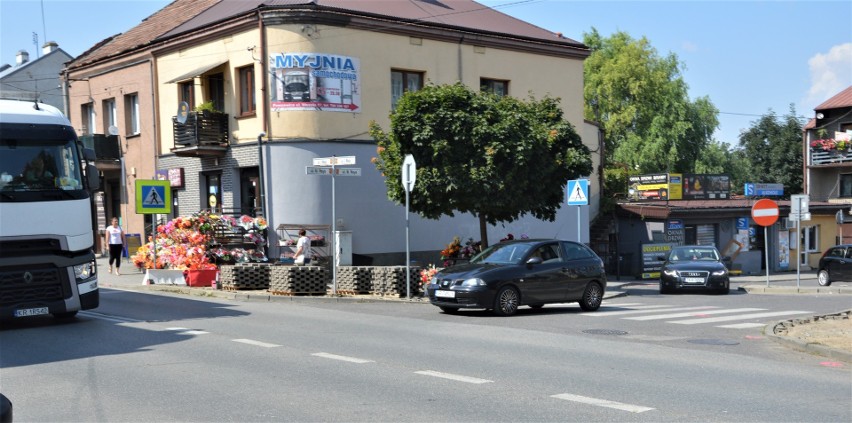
x=658 y=186
x=315 y=81
x=706 y=187
x=651 y=263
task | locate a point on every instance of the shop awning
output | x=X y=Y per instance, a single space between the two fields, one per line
x=196 y=72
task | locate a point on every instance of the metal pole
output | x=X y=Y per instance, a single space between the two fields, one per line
x=260 y=171
x=333 y=232
x=407 y=248
x=579 y=237
x=766 y=251
x=800 y=245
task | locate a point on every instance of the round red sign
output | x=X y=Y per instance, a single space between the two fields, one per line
x=765 y=212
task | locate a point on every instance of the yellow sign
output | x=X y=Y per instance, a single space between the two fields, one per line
x=153 y=197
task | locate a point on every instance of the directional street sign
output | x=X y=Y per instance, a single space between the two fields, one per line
x=341 y=171
x=153 y=197
x=578 y=192
x=764 y=190
x=337 y=161
x=348 y=171
x=314 y=170
x=765 y=212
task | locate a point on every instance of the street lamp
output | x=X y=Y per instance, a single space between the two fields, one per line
x=260 y=170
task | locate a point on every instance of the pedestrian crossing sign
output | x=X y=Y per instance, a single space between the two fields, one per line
x=153 y=197
x=578 y=192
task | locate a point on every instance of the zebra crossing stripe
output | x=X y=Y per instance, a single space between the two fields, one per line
x=737 y=317
x=692 y=314
x=743 y=326
x=604 y=313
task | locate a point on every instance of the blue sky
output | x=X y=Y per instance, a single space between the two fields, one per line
x=747 y=56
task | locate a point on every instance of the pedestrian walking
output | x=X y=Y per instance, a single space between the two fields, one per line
x=303 y=249
x=114 y=239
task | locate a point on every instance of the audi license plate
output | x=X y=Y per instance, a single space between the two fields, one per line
x=445 y=294
x=26 y=312
x=693 y=280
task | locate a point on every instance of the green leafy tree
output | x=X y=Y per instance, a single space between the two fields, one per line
x=497 y=158
x=641 y=100
x=773 y=147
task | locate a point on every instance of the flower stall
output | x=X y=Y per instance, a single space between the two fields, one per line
x=194 y=246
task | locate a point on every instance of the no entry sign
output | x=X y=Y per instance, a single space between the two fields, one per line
x=765 y=212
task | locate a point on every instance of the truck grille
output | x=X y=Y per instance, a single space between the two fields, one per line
x=32 y=285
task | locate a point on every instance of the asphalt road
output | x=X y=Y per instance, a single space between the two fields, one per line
x=160 y=357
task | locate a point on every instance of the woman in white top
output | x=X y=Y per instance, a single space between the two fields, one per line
x=303 y=249
x=114 y=237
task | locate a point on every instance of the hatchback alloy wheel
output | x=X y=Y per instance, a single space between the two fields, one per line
x=506 y=302
x=823 y=278
x=592 y=297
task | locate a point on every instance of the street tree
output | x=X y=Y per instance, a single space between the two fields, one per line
x=496 y=157
x=720 y=157
x=773 y=147
x=641 y=100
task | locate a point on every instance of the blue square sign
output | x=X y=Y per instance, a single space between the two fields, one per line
x=578 y=192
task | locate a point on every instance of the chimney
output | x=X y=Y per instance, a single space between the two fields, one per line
x=49 y=47
x=22 y=57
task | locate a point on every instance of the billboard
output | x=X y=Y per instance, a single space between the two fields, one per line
x=658 y=186
x=315 y=81
x=706 y=187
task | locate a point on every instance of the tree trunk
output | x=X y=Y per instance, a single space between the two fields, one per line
x=483 y=231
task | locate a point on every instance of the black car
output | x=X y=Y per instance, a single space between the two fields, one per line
x=835 y=265
x=698 y=267
x=522 y=272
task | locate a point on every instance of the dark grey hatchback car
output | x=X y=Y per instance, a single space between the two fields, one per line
x=530 y=272
x=835 y=265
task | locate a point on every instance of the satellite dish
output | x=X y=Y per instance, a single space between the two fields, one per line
x=113 y=130
x=183 y=112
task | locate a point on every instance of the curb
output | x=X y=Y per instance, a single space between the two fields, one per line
x=808 y=347
x=785 y=290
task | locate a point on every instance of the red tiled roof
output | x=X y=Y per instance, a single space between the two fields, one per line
x=663 y=209
x=840 y=100
x=164 y=20
x=464 y=14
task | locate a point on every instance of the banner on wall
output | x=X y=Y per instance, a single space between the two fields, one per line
x=658 y=186
x=315 y=81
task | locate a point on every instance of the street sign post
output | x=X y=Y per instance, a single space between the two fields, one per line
x=578 y=195
x=409 y=175
x=799 y=212
x=765 y=213
x=326 y=166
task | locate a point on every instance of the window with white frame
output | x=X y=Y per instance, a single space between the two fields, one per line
x=131 y=114
x=109 y=113
x=87 y=111
x=810 y=239
x=402 y=82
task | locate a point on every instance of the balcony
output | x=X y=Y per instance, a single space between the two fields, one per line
x=107 y=150
x=830 y=158
x=202 y=135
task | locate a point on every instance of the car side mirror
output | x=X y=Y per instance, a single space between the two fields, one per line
x=534 y=260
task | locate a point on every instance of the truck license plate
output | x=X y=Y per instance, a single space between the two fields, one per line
x=445 y=294
x=25 y=312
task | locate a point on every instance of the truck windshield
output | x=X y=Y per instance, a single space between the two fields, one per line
x=38 y=158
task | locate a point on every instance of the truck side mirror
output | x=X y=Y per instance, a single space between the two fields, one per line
x=93 y=178
x=89 y=155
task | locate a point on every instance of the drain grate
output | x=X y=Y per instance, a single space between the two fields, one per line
x=605 y=332
x=713 y=341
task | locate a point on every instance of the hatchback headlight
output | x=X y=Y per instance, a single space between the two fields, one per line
x=473 y=282
x=722 y=272
x=672 y=273
x=85 y=271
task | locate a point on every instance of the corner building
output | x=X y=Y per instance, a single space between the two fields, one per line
x=311 y=76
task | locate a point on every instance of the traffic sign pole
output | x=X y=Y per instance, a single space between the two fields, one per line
x=765 y=213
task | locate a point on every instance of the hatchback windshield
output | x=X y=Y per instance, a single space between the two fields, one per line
x=503 y=253
x=694 y=253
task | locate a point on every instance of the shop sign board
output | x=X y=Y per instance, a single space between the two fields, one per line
x=651 y=263
x=763 y=190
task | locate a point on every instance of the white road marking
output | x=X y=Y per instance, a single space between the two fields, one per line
x=693 y=314
x=743 y=326
x=256 y=343
x=187 y=331
x=603 y=403
x=737 y=317
x=609 y=304
x=604 y=313
x=107 y=317
x=342 y=358
x=451 y=376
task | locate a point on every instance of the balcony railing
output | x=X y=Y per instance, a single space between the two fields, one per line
x=830 y=157
x=203 y=134
x=106 y=146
